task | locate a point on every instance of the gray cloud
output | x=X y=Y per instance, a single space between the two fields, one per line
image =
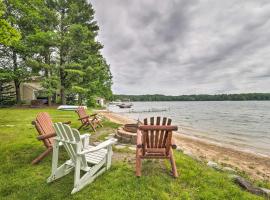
x=186 y=46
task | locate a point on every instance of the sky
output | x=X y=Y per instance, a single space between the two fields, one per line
x=180 y=47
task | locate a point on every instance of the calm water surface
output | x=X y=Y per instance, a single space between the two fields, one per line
x=240 y=124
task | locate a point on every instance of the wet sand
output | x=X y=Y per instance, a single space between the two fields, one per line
x=256 y=166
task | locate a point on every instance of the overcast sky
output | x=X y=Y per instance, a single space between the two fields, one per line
x=178 y=47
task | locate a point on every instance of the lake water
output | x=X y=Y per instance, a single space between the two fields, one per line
x=241 y=124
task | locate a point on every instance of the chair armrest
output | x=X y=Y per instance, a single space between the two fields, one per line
x=83 y=117
x=93 y=115
x=100 y=146
x=139 y=139
x=68 y=122
x=85 y=135
x=174 y=146
x=43 y=137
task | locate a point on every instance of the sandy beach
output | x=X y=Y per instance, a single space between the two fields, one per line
x=256 y=166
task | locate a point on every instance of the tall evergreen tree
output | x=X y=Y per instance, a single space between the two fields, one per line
x=77 y=32
x=42 y=44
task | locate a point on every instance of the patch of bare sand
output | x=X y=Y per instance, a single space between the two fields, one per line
x=117 y=118
x=256 y=166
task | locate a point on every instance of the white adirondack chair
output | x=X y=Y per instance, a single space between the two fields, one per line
x=94 y=160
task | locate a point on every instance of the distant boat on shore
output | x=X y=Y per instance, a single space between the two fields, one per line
x=149 y=110
x=125 y=105
x=69 y=107
x=115 y=102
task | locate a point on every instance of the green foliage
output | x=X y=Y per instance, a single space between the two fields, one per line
x=57 y=40
x=201 y=97
x=21 y=180
x=24 y=16
x=8 y=34
x=83 y=70
x=50 y=85
x=7 y=94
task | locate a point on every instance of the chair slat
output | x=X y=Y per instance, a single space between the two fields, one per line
x=152 y=133
x=146 y=136
x=160 y=144
x=165 y=136
x=157 y=133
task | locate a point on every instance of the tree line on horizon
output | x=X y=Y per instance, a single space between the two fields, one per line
x=198 y=97
x=55 y=40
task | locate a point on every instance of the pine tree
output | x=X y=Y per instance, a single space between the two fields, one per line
x=78 y=44
x=7 y=93
x=42 y=44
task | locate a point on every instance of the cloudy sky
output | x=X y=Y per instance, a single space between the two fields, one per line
x=186 y=46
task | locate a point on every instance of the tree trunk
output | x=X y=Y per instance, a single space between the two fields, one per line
x=62 y=83
x=62 y=62
x=47 y=73
x=18 y=92
x=54 y=98
x=80 y=100
x=49 y=100
x=16 y=81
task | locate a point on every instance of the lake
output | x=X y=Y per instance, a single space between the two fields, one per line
x=243 y=125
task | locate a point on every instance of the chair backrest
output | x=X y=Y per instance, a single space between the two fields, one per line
x=157 y=134
x=44 y=126
x=82 y=114
x=71 y=140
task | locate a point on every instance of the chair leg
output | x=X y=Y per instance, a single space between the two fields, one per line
x=81 y=126
x=138 y=164
x=109 y=157
x=77 y=173
x=174 y=169
x=92 y=126
x=41 y=156
x=99 y=123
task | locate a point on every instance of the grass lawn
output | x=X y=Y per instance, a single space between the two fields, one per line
x=21 y=180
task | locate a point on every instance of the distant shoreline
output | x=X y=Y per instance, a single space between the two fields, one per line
x=256 y=165
x=196 y=97
x=196 y=100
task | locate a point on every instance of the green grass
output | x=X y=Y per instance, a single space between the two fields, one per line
x=21 y=180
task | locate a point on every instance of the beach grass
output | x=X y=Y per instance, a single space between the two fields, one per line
x=21 y=180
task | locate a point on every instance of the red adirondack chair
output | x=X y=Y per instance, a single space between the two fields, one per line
x=44 y=126
x=88 y=120
x=154 y=141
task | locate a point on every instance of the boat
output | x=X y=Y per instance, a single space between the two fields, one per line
x=125 y=105
x=115 y=102
x=148 y=110
x=70 y=107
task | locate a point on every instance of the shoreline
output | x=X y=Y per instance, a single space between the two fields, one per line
x=255 y=165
